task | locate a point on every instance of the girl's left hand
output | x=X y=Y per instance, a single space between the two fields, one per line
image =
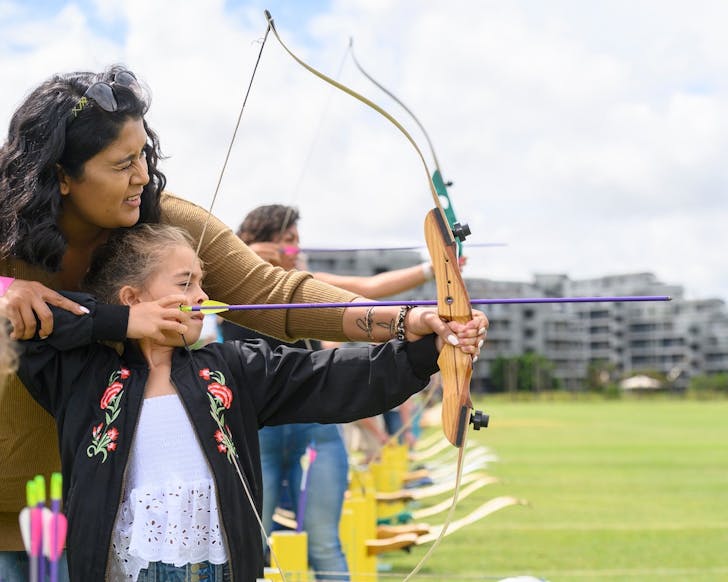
x=469 y=336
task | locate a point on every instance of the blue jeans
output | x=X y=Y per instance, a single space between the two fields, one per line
x=393 y=423
x=14 y=567
x=202 y=572
x=281 y=448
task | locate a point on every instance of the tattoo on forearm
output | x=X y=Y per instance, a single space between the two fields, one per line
x=365 y=324
x=390 y=326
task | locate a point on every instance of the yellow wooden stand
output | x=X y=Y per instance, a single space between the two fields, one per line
x=359 y=524
x=388 y=475
x=291 y=550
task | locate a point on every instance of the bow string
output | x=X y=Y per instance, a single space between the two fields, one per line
x=234 y=459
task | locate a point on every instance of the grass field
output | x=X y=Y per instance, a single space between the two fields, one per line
x=633 y=489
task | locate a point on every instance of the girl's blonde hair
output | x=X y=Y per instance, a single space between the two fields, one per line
x=130 y=257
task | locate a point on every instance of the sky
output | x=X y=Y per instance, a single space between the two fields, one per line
x=590 y=137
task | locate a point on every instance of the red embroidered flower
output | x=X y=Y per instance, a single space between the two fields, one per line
x=219 y=436
x=223 y=394
x=110 y=393
x=222 y=448
x=113 y=433
x=205 y=373
x=111 y=446
x=124 y=373
x=97 y=430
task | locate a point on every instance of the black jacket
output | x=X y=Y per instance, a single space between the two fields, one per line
x=230 y=390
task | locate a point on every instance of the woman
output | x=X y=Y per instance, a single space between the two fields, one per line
x=80 y=162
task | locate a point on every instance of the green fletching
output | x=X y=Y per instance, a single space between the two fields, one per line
x=56 y=486
x=30 y=496
x=40 y=489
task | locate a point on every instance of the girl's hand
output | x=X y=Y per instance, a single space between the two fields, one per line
x=469 y=337
x=24 y=301
x=151 y=319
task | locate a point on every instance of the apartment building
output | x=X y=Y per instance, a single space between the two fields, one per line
x=680 y=338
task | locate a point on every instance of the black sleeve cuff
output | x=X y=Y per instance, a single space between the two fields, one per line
x=110 y=322
x=422 y=356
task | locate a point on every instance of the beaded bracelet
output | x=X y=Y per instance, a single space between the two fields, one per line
x=399 y=328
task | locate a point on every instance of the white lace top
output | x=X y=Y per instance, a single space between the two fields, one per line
x=169 y=512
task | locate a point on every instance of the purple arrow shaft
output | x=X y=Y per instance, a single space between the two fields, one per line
x=428 y=302
x=56 y=509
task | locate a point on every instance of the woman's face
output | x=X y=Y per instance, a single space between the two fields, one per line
x=108 y=193
x=290 y=244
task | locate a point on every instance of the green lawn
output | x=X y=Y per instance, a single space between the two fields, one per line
x=617 y=490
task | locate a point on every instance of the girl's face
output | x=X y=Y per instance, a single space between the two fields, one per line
x=290 y=243
x=108 y=194
x=170 y=278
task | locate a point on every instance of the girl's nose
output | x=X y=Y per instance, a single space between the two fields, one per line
x=201 y=297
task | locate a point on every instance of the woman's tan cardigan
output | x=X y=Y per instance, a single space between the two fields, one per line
x=234 y=274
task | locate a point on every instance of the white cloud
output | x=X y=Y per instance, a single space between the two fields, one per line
x=589 y=137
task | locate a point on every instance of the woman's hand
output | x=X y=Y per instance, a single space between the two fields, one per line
x=25 y=303
x=469 y=336
x=151 y=319
x=268 y=251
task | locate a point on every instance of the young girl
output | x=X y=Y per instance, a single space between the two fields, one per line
x=159 y=444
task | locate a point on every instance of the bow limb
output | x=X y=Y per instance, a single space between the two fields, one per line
x=358 y=97
x=437 y=179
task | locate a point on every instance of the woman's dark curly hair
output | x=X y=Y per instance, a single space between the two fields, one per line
x=46 y=135
x=265 y=223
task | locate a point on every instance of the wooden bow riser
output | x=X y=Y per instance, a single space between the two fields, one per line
x=456 y=367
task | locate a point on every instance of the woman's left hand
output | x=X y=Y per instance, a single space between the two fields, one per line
x=469 y=336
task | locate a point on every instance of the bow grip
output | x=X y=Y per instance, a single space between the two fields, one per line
x=453 y=304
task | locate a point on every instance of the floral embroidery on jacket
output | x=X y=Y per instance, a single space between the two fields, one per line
x=103 y=435
x=221 y=398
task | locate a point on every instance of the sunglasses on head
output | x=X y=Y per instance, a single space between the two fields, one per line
x=102 y=93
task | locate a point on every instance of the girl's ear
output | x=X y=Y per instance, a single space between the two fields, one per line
x=129 y=295
x=63 y=181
